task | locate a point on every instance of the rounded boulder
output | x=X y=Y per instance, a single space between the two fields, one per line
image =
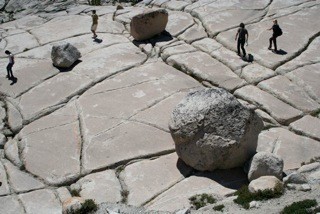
x=212 y=130
x=64 y=55
x=148 y=24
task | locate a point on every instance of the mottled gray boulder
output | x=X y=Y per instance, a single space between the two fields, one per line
x=64 y=55
x=72 y=205
x=265 y=163
x=2 y=3
x=212 y=130
x=295 y=178
x=148 y=24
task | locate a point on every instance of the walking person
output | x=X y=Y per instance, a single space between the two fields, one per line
x=94 y=23
x=10 y=65
x=276 y=32
x=242 y=35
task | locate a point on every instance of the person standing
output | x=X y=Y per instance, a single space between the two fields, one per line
x=276 y=32
x=94 y=23
x=10 y=65
x=242 y=35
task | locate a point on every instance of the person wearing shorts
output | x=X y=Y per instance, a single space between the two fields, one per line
x=94 y=23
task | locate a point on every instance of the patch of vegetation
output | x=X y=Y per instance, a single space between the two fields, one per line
x=177 y=66
x=300 y=207
x=88 y=206
x=75 y=193
x=245 y=197
x=120 y=169
x=218 y=207
x=124 y=195
x=202 y=200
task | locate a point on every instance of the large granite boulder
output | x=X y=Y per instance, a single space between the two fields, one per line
x=212 y=130
x=265 y=163
x=148 y=24
x=64 y=55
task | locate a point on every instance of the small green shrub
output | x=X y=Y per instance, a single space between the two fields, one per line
x=300 y=207
x=75 y=193
x=88 y=206
x=124 y=194
x=245 y=197
x=202 y=200
x=218 y=207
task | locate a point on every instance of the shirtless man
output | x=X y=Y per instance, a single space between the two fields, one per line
x=94 y=23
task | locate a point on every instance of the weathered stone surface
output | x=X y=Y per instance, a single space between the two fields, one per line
x=19 y=43
x=295 y=178
x=311 y=172
x=14 y=118
x=229 y=58
x=30 y=73
x=159 y=115
x=41 y=202
x=289 y=48
x=305 y=77
x=207 y=45
x=195 y=32
x=179 y=49
x=293 y=149
x=12 y=152
x=204 y=67
x=120 y=56
x=309 y=56
x=72 y=25
x=148 y=24
x=289 y=92
x=125 y=15
x=212 y=130
x=4 y=188
x=255 y=73
x=175 y=5
x=64 y=55
x=219 y=183
x=266 y=117
x=264 y=183
x=308 y=126
x=63 y=193
x=28 y=22
x=265 y=164
x=21 y=181
x=102 y=187
x=40 y=154
x=51 y=93
x=72 y=204
x=10 y=205
x=178 y=22
x=3 y=140
x=148 y=178
x=279 y=110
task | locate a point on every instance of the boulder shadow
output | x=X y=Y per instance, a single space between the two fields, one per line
x=164 y=36
x=280 y=52
x=70 y=68
x=230 y=178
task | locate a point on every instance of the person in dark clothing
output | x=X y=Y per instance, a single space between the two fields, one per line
x=276 y=32
x=242 y=35
x=10 y=65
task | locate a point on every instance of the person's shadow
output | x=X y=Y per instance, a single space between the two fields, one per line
x=96 y=40
x=249 y=58
x=280 y=52
x=14 y=80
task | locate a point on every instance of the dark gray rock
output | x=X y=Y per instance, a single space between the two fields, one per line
x=64 y=55
x=212 y=130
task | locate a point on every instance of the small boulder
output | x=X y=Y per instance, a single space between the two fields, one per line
x=265 y=183
x=212 y=130
x=295 y=178
x=148 y=24
x=265 y=163
x=72 y=204
x=64 y=55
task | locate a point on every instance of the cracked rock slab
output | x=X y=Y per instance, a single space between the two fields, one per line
x=14 y=117
x=308 y=126
x=279 y=110
x=11 y=151
x=206 y=68
x=50 y=93
x=293 y=149
x=21 y=181
x=220 y=183
x=255 y=73
x=195 y=32
x=4 y=188
x=10 y=205
x=41 y=202
x=30 y=73
x=178 y=22
x=179 y=49
x=101 y=187
x=147 y=178
x=289 y=92
x=52 y=153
